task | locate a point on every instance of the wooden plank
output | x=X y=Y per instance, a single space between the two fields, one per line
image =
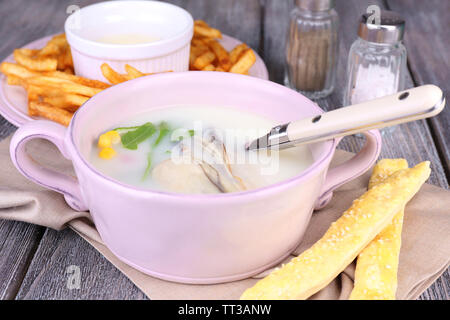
x=6 y=128
x=412 y=141
x=46 y=277
x=24 y=21
x=236 y=18
x=428 y=42
x=275 y=25
x=18 y=242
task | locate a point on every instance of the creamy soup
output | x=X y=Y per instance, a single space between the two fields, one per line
x=195 y=149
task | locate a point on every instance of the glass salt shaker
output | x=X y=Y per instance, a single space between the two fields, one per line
x=377 y=60
x=311 y=48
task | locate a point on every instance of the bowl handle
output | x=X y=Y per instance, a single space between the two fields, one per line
x=352 y=168
x=48 y=178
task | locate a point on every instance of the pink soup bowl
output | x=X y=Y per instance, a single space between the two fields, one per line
x=198 y=239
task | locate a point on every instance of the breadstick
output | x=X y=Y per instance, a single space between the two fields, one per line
x=377 y=264
x=316 y=267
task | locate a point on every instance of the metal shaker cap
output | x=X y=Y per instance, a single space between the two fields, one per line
x=315 y=5
x=390 y=30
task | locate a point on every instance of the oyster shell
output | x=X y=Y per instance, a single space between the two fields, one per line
x=205 y=167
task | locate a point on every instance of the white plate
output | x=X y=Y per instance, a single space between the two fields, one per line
x=14 y=102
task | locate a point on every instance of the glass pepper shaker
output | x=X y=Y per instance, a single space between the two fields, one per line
x=377 y=60
x=311 y=48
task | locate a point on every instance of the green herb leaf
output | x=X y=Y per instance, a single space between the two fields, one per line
x=149 y=165
x=189 y=133
x=131 y=139
x=126 y=128
x=163 y=131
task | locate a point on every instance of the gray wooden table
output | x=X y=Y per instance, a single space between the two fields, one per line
x=33 y=259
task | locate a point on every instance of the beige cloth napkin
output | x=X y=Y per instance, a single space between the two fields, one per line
x=425 y=252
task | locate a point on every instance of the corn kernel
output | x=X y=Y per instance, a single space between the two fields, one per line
x=114 y=135
x=108 y=138
x=107 y=153
x=104 y=141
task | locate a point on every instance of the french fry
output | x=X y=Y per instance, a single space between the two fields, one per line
x=237 y=52
x=70 y=102
x=69 y=70
x=65 y=85
x=23 y=57
x=377 y=264
x=53 y=90
x=192 y=59
x=244 y=63
x=111 y=75
x=201 y=23
x=32 y=97
x=65 y=59
x=69 y=59
x=45 y=110
x=209 y=67
x=195 y=52
x=204 y=59
x=204 y=41
x=206 y=31
x=47 y=81
x=54 y=46
x=76 y=99
x=77 y=79
x=200 y=43
x=41 y=91
x=17 y=70
x=221 y=54
x=50 y=49
x=56 y=97
x=80 y=89
x=198 y=50
x=28 y=52
x=13 y=80
x=345 y=239
x=133 y=72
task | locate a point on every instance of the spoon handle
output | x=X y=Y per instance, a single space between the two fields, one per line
x=409 y=105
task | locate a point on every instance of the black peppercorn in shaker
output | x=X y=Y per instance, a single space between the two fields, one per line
x=311 y=48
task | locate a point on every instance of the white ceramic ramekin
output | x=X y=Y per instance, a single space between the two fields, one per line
x=171 y=25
